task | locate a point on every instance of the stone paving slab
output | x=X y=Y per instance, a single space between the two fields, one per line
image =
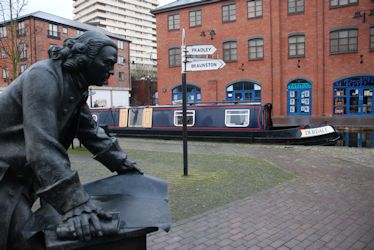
x=329 y=206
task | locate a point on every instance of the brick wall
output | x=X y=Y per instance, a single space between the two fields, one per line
x=38 y=43
x=276 y=70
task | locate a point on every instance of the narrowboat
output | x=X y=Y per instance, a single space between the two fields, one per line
x=245 y=122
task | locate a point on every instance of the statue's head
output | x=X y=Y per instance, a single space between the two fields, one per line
x=92 y=54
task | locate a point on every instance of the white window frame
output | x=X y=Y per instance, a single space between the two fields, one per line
x=179 y=113
x=3 y=32
x=53 y=30
x=5 y=73
x=121 y=60
x=227 y=114
x=4 y=53
x=22 y=68
x=120 y=44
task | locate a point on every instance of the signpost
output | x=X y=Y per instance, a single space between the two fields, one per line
x=198 y=50
x=194 y=64
x=200 y=65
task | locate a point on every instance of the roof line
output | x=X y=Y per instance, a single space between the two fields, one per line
x=68 y=22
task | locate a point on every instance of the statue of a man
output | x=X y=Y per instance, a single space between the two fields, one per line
x=40 y=114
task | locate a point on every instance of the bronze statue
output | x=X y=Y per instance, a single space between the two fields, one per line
x=40 y=114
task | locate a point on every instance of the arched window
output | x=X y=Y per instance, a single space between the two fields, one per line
x=230 y=51
x=193 y=94
x=344 y=41
x=244 y=91
x=256 y=49
x=299 y=99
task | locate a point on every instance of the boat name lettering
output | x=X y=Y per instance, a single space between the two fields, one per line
x=316 y=131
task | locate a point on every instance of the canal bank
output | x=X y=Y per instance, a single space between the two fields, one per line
x=339 y=122
x=329 y=206
x=355 y=131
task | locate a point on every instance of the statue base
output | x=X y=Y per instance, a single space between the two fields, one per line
x=136 y=240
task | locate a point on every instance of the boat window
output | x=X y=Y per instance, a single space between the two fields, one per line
x=178 y=118
x=237 y=117
x=135 y=117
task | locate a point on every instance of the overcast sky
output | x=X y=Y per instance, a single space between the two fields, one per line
x=60 y=8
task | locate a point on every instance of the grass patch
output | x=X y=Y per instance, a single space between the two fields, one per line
x=214 y=180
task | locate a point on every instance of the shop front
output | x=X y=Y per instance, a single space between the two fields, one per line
x=354 y=96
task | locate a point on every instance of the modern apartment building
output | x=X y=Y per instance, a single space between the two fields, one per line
x=131 y=19
x=37 y=32
x=306 y=57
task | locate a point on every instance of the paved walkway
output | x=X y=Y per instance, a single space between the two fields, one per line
x=329 y=206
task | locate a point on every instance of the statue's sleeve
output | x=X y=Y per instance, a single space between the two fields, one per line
x=104 y=147
x=59 y=185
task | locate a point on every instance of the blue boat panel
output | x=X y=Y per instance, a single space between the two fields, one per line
x=106 y=117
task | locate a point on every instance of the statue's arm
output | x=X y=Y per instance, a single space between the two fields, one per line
x=59 y=185
x=104 y=147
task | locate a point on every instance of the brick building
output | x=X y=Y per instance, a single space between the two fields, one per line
x=307 y=57
x=38 y=31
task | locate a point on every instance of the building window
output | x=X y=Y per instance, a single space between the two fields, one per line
x=230 y=51
x=120 y=44
x=2 y=32
x=121 y=60
x=299 y=99
x=178 y=118
x=195 y=18
x=4 y=53
x=121 y=76
x=295 y=6
x=22 y=68
x=53 y=31
x=372 y=38
x=80 y=32
x=296 y=46
x=5 y=73
x=174 y=57
x=173 y=22
x=243 y=91
x=237 y=117
x=343 y=41
x=65 y=30
x=354 y=96
x=193 y=94
x=256 y=49
x=342 y=3
x=21 y=31
x=254 y=8
x=22 y=51
x=229 y=13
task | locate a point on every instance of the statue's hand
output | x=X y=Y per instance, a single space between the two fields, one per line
x=83 y=222
x=129 y=166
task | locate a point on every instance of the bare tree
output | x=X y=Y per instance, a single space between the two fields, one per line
x=142 y=72
x=11 y=34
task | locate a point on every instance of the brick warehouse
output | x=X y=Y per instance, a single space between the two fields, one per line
x=308 y=58
x=38 y=31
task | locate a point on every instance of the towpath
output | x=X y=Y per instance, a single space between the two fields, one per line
x=329 y=206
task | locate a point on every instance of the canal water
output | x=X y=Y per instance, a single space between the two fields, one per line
x=361 y=138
